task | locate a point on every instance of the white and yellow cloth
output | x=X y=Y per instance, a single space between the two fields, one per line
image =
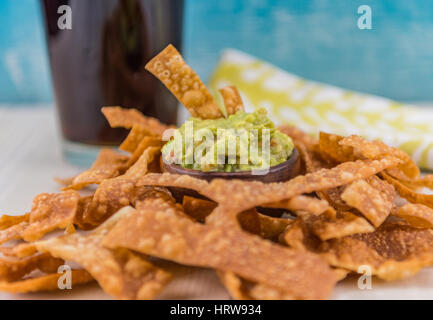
x=315 y=107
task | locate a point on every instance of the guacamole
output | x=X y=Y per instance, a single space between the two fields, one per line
x=241 y=142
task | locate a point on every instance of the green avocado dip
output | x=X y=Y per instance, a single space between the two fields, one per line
x=241 y=142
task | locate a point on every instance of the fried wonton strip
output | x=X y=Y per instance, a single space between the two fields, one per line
x=301 y=203
x=14 y=232
x=9 y=221
x=127 y=118
x=44 y=283
x=169 y=67
x=407 y=193
x=145 y=143
x=271 y=228
x=394 y=251
x=413 y=183
x=197 y=208
x=51 y=211
x=371 y=202
x=112 y=195
x=241 y=289
x=120 y=272
x=12 y=269
x=109 y=164
x=135 y=136
x=417 y=215
x=377 y=149
x=162 y=230
x=330 y=145
x=232 y=100
x=141 y=166
x=21 y=250
x=345 y=224
x=239 y=196
x=298 y=136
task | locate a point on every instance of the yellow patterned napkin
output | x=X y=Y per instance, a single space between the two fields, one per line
x=318 y=107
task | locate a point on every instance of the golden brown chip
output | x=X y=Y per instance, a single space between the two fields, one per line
x=120 y=272
x=45 y=282
x=9 y=221
x=162 y=230
x=374 y=204
x=425 y=181
x=145 y=143
x=377 y=149
x=301 y=203
x=112 y=195
x=141 y=166
x=135 y=136
x=395 y=250
x=169 y=67
x=109 y=164
x=21 y=250
x=128 y=118
x=271 y=227
x=12 y=269
x=241 y=289
x=232 y=100
x=417 y=215
x=14 y=232
x=340 y=273
x=237 y=196
x=51 y=211
x=197 y=208
x=330 y=145
x=298 y=136
x=345 y=224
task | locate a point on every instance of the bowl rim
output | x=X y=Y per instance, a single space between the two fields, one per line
x=192 y=172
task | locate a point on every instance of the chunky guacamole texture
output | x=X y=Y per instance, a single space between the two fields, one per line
x=240 y=142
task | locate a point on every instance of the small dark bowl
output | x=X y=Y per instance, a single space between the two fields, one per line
x=282 y=172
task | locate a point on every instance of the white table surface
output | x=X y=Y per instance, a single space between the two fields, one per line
x=30 y=157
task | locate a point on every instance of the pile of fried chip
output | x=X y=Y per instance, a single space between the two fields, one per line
x=357 y=203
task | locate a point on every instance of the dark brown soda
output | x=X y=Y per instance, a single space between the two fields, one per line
x=100 y=62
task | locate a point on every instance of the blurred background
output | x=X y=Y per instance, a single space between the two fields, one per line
x=315 y=39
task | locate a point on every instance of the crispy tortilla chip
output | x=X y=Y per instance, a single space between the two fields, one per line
x=330 y=145
x=377 y=149
x=241 y=289
x=145 y=143
x=44 y=283
x=298 y=136
x=135 y=136
x=407 y=193
x=128 y=118
x=120 y=272
x=345 y=224
x=12 y=269
x=9 y=221
x=232 y=100
x=237 y=196
x=141 y=166
x=109 y=164
x=417 y=215
x=169 y=67
x=374 y=204
x=271 y=228
x=394 y=251
x=21 y=250
x=14 y=232
x=197 y=208
x=162 y=230
x=112 y=195
x=49 y=212
x=301 y=203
